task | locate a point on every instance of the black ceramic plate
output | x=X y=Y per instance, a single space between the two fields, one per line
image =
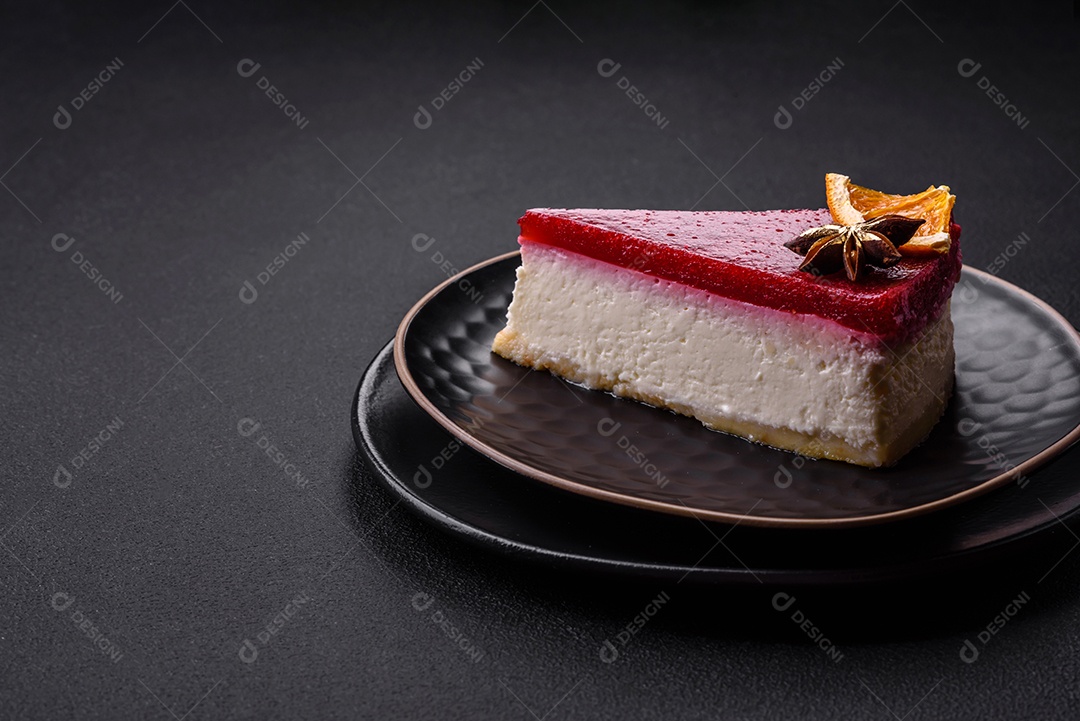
x=464 y=493
x=1016 y=405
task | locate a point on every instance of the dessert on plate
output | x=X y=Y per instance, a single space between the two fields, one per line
x=824 y=332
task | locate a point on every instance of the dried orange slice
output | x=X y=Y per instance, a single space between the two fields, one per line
x=850 y=204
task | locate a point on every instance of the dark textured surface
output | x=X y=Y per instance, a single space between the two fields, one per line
x=180 y=180
x=482 y=502
x=1017 y=393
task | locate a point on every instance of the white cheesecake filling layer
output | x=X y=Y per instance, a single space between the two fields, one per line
x=794 y=381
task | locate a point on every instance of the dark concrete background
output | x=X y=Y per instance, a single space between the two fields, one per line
x=132 y=577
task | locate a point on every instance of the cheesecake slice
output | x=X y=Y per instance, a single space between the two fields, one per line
x=708 y=314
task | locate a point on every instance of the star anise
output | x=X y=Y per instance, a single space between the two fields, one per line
x=852 y=247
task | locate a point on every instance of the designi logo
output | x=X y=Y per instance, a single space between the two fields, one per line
x=248 y=652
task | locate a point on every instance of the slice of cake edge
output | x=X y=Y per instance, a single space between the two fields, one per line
x=793 y=381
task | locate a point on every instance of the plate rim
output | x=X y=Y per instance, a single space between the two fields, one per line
x=489 y=541
x=414 y=391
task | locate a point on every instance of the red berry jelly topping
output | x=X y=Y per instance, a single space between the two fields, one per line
x=741 y=255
